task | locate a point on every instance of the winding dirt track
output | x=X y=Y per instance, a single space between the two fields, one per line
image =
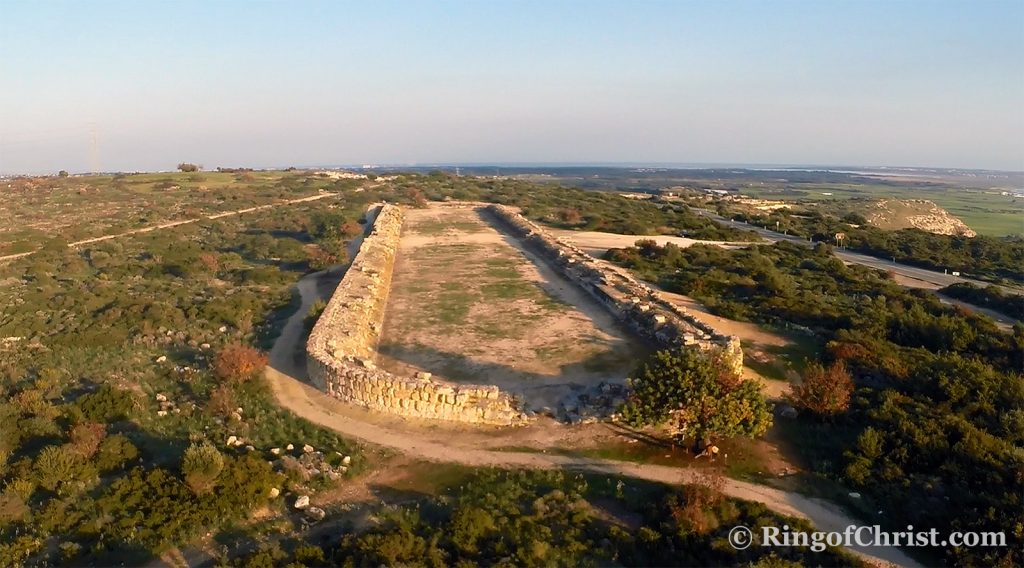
x=285 y=373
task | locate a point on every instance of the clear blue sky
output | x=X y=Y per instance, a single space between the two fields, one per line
x=226 y=83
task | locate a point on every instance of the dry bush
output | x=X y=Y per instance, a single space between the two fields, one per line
x=239 y=363
x=701 y=500
x=824 y=391
x=210 y=262
x=570 y=216
x=86 y=438
x=222 y=401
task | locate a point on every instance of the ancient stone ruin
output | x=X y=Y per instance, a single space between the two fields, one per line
x=343 y=344
x=634 y=304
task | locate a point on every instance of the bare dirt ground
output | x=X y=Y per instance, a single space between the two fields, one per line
x=596 y=243
x=468 y=304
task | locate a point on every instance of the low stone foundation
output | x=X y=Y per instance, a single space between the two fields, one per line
x=343 y=344
x=636 y=305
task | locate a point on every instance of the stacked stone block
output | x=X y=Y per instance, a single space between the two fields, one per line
x=342 y=346
x=635 y=305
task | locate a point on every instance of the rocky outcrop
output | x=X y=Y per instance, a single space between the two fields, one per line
x=894 y=214
x=637 y=306
x=342 y=346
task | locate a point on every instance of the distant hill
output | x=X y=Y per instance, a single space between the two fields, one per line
x=892 y=214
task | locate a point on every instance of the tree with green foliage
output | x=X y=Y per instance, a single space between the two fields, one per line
x=201 y=466
x=697 y=394
x=187 y=167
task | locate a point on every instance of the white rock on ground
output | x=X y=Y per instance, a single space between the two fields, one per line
x=274 y=492
x=316 y=513
x=302 y=502
x=307 y=448
x=231 y=440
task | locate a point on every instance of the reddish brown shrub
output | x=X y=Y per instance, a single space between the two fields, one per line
x=825 y=392
x=238 y=363
x=222 y=401
x=86 y=438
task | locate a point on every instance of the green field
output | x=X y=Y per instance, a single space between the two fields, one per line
x=984 y=210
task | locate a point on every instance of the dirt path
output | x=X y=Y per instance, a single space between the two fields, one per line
x=596 y=243
x=177 y=223
x=286 y=368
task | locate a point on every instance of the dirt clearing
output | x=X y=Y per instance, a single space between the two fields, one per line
x=469 y=305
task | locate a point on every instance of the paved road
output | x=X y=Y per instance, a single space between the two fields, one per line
x=938 y=278
x=178 y=223
x=285 y=374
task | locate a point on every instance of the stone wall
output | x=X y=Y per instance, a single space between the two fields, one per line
x=342 y=346
x=634 y=304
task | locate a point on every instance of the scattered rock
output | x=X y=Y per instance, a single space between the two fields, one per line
x=204 y=346
x=238 y=442
x=307 y=449
x=275 y=451
x=161 y=358
x=302 y=502
x=223 y=328
x=316 y=514
x=161 y=413
x=274 y=492
x=231 y=440
x=856 y=495
x=289 y=447
x=249 y=448
x=347 y=460
x=787 y=411
x=161 y=397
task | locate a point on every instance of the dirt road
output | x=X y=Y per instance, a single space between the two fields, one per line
x=178 y=223
x=286 y=370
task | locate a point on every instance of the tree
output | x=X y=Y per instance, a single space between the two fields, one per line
x=187 y=167
x=201 y=466
x=824 y=391
x=238 y=363
x=698 y=393
x=63 y=173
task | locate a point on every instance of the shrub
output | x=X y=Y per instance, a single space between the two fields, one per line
x=238 y=363
x=824 y=391
x=222 y=401
x=108 y=404
x=201 y=466
x=114 y=452
x=698 y=394
x=86 y=438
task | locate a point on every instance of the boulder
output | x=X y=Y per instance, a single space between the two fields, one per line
x=274 y=492
x=302 y=502
x=307 y=448
x=787 y=411
x=231 y=440
x=161 y=358
x=289 y=447
x=347 y=460
x=316 y=514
